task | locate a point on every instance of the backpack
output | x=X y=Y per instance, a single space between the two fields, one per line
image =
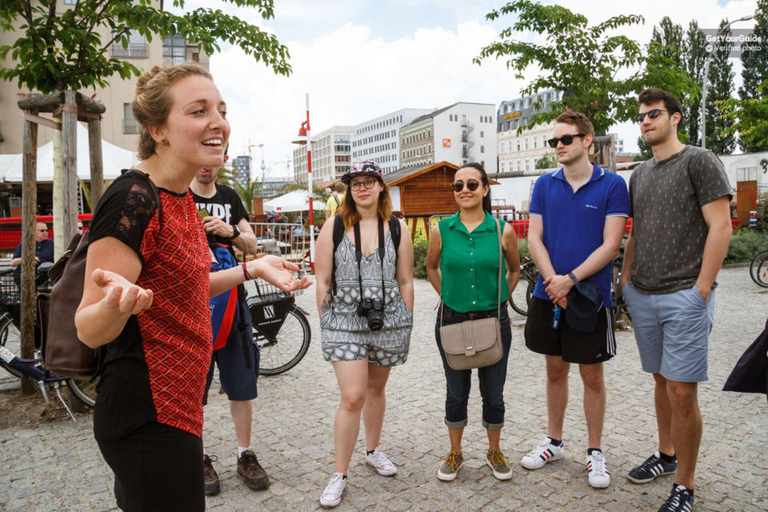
x=224 y=308
x=338 y=235
x=64 y=354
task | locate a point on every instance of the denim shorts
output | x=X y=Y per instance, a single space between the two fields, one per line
x=672 y=332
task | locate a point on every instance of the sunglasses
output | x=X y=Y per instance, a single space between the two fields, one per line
x=42 y=230
x=565 y=139
x=458 y=186
x=653 y=114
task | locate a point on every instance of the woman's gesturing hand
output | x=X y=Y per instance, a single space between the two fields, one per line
x=277 y=271
x=121 y=294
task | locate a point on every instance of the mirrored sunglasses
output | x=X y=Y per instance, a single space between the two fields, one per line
x=653 y=114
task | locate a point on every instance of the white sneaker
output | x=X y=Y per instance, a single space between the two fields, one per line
x=542 y=454
x=599 y=477
x=333 y=491
x=378 y=461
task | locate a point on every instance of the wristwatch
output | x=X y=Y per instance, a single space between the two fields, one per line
x=235 y=232
x=573 y=278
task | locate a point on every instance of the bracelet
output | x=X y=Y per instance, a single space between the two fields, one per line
x=235 y=233
x=573 y=278
x=246 y=274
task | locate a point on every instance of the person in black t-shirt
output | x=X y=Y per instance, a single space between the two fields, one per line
x=227 y=221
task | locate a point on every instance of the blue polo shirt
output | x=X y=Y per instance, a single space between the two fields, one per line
x=573 y=222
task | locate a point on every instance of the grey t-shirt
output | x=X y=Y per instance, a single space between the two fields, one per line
x=669 y=229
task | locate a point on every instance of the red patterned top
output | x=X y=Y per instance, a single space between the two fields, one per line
x=156 y=369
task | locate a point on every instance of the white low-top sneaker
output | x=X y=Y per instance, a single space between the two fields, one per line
x=378 y=461
x=333 y=491
x=542 y=454
x=599 y=477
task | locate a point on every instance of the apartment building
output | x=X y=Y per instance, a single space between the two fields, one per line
x=118 y=126
x=459 y=133
x=379 y=139
x=521 y=152
x=331 y=155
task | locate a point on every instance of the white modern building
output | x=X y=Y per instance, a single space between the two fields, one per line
x=379 y=139
x=520 y=153
x=459 y=133
x=330 y=155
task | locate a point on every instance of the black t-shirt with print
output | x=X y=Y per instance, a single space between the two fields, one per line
x=226 y=205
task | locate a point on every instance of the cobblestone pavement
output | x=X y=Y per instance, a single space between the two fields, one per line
x=57 y=466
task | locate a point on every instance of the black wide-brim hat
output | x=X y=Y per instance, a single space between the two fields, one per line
x=584 y=302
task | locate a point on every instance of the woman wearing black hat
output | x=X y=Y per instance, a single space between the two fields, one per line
x=364 y=274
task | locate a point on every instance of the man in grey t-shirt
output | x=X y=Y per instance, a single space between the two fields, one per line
x=681 y=226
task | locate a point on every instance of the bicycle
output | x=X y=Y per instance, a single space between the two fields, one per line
x=758 y=269
x=621 y=316
x=10 y=320
x=280 y=328
x=521 y=296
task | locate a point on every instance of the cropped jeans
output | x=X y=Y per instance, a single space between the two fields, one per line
x=492 y=378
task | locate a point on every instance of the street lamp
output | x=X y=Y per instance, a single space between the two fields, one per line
x=706 y=78
x=305 y=138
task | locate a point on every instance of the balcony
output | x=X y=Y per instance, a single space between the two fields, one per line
x=133 y=51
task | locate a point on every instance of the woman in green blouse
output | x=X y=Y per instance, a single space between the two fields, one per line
x=463 y=267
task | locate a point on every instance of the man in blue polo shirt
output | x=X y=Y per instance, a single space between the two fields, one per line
x=578 y=214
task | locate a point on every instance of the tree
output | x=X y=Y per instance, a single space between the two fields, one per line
x=581 y=60
x=749 y=118
x=695 y=57
x=548 y=161
x=64 y=50
x=754 y=60
x=720 y=139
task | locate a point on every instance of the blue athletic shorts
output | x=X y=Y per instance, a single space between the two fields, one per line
x=237 y=371
x=672 y=332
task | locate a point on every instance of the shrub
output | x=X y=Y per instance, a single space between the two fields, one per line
x=522 y=248
x=420 y=247
x=745 y=244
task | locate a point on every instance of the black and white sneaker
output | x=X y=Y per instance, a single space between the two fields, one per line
x=652 y=467
x=680 y=500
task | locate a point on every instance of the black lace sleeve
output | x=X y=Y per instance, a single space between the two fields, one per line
x=125 y=211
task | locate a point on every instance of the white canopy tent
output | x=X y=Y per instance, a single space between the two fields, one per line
x=296 y=201
x=6 y=161
x=115 y=159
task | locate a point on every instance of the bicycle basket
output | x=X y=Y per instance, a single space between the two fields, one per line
x=10 y=292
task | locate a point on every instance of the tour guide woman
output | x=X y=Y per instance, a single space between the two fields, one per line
x=146 y=295
x=463 y=267
x=362 y=354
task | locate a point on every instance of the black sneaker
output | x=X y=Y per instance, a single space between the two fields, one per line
x=249 y=469
x=680 y=500
x=212 y=486
x=652 y=467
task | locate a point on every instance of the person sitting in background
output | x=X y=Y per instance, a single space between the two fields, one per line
x=43 y=247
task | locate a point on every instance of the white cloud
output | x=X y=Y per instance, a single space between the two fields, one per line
x=353 y=72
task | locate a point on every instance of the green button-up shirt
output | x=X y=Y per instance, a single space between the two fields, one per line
x=469 y=264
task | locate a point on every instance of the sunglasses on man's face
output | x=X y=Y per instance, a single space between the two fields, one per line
x=565 y=139
x=458 y=185
x=653 y=114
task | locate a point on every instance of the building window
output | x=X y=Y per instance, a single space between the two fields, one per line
x=482 y=134
x=129 y=123
x=482 y=149
x=70 y=2
x=518 y=165
x=535 y=143
x=525 y=142
x=527 y=164
x=175 y=49
x=509 y=146
x=501 y=166
x=137 y=47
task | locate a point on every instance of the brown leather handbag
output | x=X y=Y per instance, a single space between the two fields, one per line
x=474 y=343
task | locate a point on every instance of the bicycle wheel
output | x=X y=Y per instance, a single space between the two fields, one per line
x=762 y=272
x=84 y=390
x=521 y=295
x=289 y=346
x=10 y=339
x=759 y=263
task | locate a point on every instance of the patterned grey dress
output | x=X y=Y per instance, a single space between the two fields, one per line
x=345 y=335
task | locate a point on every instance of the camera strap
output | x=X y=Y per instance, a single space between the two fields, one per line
x=359 y=257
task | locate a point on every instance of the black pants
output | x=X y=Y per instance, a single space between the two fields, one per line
x=157 y=468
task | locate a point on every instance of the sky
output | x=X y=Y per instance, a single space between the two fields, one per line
x=360 y=59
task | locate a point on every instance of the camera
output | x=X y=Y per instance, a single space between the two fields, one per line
x=373 y=311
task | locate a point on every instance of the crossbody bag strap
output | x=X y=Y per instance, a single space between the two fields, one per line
x=359 y=256
x=498 y=232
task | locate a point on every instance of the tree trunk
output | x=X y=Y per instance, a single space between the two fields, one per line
x=28 y=218
x=97 y=161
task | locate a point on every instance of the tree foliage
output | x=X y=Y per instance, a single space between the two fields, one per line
x=583 y=61
x=57 y=50
x=548 y=161
x=751 y=113
x=749 y=117
x=719 y=136
x=695 y=57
